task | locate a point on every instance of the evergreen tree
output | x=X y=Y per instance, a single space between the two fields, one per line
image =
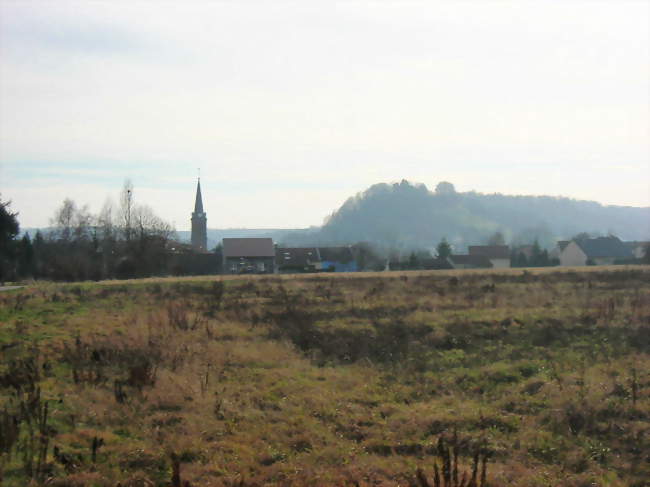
x=522 y=261
x=443 y=249
x=39 y=254
x=544 y=260
x=26 y=257
x=8 y=230
x=536 y=255
x=414 y=262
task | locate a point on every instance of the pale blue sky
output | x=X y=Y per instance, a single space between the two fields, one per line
x=291 y=107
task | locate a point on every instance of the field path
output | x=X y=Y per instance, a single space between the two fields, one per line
x=9 y=288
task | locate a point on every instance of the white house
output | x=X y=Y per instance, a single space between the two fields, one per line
x=597 y=251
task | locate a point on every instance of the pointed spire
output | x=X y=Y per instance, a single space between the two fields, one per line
x=198 y=205
x=199 y=220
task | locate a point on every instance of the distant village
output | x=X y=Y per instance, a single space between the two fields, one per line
x=255 y=255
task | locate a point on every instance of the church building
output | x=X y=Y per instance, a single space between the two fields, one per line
x=199 y=223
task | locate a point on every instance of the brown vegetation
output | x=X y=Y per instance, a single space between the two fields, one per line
x=423 y=379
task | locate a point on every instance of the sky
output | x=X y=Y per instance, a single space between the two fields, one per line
x=289 y=108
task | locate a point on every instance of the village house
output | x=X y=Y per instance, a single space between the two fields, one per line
x=469 y=261
x=594 y=251
x=337 y=259
x=248 y=255
x=315 y=259
x=297 y=259
x=499 y=255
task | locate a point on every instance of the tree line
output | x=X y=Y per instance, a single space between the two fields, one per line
x=122 y=241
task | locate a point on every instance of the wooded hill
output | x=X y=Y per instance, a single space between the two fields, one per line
x=407 y=215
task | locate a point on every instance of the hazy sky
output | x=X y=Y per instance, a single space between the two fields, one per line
x=291 y=107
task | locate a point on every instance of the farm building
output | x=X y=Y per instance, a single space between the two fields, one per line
x=596 y=251
x=499 y=255
x=248 y=255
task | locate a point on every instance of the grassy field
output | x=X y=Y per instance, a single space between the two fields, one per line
x=499 y=378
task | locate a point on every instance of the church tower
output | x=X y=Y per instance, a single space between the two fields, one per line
x=199 y=223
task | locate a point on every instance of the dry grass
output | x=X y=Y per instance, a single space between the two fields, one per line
x=346 y=379
x=367 y=275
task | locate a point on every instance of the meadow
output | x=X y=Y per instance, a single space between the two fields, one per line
x=474 y=378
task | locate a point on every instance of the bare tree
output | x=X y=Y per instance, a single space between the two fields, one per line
x=105 y=222
x=148 y=224
x=129 y=242
x=83 y=223
x=63 y=220
x=126 y=208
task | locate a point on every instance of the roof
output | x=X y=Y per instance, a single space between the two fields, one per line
x=248 y=247
x=296 y=256
x=635 y=245
x=604 y=247
x=336 y=254
x=473 y=260
x=490 y=251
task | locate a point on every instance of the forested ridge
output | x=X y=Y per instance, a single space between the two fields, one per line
x=410 y=215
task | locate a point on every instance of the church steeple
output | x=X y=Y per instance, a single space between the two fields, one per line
x=198 y=204
x=199 y=223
